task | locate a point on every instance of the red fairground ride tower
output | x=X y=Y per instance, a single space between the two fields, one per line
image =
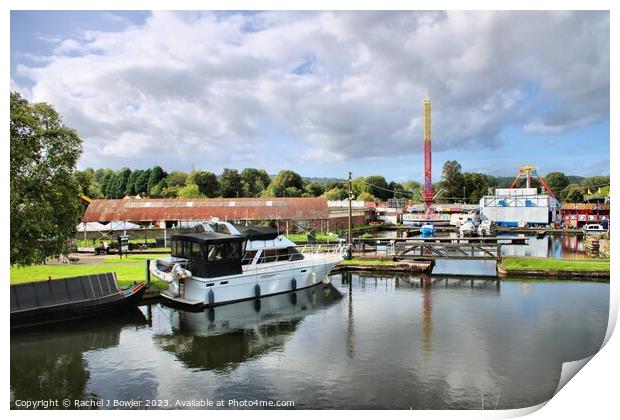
x=427 y=194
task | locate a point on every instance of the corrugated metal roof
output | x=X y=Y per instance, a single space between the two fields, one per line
x=147 y=210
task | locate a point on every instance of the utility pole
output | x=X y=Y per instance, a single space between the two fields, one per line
x=350 y=220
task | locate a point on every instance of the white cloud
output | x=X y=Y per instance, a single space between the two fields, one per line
x=210 y=88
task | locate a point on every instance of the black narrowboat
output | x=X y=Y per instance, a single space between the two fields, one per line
x=45 y=302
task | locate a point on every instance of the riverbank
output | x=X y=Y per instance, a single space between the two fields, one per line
x=593 y=268
x=383 y=266
x=128 y=270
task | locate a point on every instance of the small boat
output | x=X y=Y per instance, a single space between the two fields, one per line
x=427 y=229
x=487 y=228
x=594 y=229
x=468 y=228
x=45 y=302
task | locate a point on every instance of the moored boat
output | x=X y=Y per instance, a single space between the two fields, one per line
x=487 y=228
x=427 y=229
x=45 y=302
x=230 y=263
x=594 y=229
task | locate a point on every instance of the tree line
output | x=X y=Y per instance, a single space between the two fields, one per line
x=250 y=182
x=455 y=185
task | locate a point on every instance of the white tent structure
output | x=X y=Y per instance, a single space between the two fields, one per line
x=90 y=227
x=110 y=227
x=120 y=225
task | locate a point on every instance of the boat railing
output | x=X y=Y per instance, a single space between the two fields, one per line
x=327 y=249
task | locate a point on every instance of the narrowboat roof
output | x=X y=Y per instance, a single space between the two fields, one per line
x=208 y=237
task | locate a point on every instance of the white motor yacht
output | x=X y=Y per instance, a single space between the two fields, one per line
x=230 y=263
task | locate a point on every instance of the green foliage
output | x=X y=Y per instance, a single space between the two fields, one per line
x=366 y=196
x=87 y=184
x=119 y=183
x=557 y=181
x=573 y=193
x=594 y=182
x=156 y=176
x=141 y=184
x=452 y=180
x=230 y=183
x=476 y=186
x=254 y=181
x=378 y=187
x=286 y=184
x=190 y=191
x=207 y=183
x=336 y=194
x=44 y=204
x=314 y=189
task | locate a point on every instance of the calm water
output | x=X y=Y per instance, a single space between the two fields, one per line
x=365 y=342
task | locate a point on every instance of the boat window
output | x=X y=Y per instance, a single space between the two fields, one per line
x=281 y=254
x=269 y=255
x=215 y=252
x=232 y=251
x=248 y=257
x=196 y=251
x=295 y=254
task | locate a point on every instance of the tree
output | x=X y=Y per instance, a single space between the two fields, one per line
x=336 y=194
x=173 y=183
x=44 y=200
x=141 y=184
x=452 y=180
x=190 y=191
x=594 y=182
x=476 y=186
x=254 y=181
x=87 y=184
x=397 y=190
x=557 y=181
x=378 y=187
x=286 y=184
x=573 y=193
x=207 y=183
x=230 y=183
x=156 y=176
x=314 y=189
x=119 y=183
x=365 y=196
x=359 y=186
x=130 y=188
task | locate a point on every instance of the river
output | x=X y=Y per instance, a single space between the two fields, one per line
x=366 y=341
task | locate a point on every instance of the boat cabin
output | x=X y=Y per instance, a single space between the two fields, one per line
x=210 y=254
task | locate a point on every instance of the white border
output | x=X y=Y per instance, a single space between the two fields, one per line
x=592 y=394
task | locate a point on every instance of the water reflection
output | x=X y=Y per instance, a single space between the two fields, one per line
x=221 y=338
x=49 y=363
x=394 y=342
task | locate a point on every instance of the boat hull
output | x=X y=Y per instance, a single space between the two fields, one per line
x=271 y=279
x=77 y=310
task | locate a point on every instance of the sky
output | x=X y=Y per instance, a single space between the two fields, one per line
x=324 y=93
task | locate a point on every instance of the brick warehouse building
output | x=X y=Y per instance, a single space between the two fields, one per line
x=172 y=212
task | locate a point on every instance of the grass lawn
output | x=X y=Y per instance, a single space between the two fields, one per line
x=365 y=262
x=576 y=264
x=321 y=237
x=127 y=270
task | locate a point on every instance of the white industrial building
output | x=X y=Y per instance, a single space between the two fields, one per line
x=518 y=207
